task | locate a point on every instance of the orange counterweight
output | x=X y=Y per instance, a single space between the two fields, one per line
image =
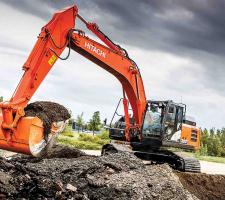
x=191 y=135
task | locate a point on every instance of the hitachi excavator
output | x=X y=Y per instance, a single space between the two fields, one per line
x=27 y=134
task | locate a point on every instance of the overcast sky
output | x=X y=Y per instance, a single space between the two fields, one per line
x=179 y=46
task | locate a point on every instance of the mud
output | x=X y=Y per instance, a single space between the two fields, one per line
x=48 y=112
x=204 y=186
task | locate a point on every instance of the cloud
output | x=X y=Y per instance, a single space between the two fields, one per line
x=195 y=25
x=178 y=45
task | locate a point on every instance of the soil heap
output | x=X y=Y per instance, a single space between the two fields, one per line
x=67 y=173
x=48 y=112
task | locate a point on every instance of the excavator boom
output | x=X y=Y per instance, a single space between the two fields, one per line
x=19 y=133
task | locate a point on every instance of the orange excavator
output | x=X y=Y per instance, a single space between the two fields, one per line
x=26 y=134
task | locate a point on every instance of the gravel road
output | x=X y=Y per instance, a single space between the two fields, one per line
x=212 y=167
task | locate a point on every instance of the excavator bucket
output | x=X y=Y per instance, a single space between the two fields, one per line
x=29 y=137
x=35 y=133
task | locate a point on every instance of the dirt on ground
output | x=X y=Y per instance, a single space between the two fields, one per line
x=68 y=173
x=204 y=186
x=48 y=112
x=62 y=176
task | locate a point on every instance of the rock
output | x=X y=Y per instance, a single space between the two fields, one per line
x=110 y=171
x=27 y=176
x=4 y=178
x=59 y=186
x=71 y=187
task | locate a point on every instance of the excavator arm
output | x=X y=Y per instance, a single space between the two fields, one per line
x=122 y=68
x=55 y=36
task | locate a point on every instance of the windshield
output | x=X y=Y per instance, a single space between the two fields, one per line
x=152 y=123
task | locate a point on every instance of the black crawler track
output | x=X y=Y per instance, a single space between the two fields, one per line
x=176 y=161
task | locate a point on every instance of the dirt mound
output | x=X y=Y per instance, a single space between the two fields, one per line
x=204 y=186
x=48 y=112
x=118 y=176
x=68 y=173
x=59 y=151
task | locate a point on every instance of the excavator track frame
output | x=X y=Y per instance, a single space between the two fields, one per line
x=156 y=156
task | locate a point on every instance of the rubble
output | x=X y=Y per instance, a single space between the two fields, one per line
x=118 y=176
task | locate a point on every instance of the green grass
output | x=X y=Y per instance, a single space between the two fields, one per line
x=83 y=140
x=200 y=157
x=211 y=158
x=67 y=141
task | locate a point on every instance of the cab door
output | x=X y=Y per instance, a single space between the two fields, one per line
x=172 y=120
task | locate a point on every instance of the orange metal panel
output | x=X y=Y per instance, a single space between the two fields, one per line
x=28 y=135
x=186 y=134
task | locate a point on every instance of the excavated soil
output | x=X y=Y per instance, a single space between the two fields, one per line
x=118 y=176
x=68 y=173
x=48 y=112
x=204 y=186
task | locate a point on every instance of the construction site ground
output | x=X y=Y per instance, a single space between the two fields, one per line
x=68 y=173
x=206 y=167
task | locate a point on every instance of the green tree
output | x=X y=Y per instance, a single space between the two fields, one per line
x=95 y=122
x=213 y=142
x=86 y=126
x=217 y=146
x=1 y=98
x=70 y=122
x=212 y=132
x=204 y=140
x=204 y=137
x=222 y=137
x=80 y=122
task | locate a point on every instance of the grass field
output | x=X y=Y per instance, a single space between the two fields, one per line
x=201 y=157
x=83 y=140
x=211 y=158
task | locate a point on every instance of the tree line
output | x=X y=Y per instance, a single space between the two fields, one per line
x=213 y=142
x=94 y=124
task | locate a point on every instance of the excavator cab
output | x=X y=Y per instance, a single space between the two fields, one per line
x=165 y=124
x=162 y=119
